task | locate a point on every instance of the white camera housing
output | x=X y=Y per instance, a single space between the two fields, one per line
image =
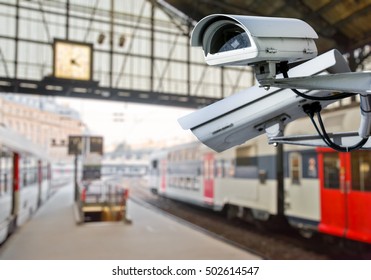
x=246 y=40
x=249 y=113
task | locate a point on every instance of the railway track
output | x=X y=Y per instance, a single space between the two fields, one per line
x=282 y=244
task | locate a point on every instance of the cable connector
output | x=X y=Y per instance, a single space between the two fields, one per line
x=311 y=109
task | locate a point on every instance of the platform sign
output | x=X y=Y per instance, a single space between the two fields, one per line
x=96 y=144
x=75 y=144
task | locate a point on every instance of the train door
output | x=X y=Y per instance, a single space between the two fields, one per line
x=333 y=199
x=163 y=171
x=359 y=196
x=345 y=194
x=16 y=185
x=208 y=178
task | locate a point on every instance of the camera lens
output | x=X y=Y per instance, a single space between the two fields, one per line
x=229 y=37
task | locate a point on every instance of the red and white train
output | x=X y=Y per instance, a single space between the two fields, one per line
x=315 y=189
x=25 y=180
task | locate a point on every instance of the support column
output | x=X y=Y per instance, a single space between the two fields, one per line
x=152 y=85
x=16 y=38
x=67 y=20
x=112 y=23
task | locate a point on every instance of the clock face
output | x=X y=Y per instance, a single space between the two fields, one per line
x=72 y=60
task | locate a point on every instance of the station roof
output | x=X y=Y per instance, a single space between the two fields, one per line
x=341 y=24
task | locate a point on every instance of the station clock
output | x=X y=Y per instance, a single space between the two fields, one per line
x=72 y=60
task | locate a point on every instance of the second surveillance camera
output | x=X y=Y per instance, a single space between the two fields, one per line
x=254 y=111
x=250 y=40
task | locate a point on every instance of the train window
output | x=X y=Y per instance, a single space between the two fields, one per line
x=246 y=163
x=245 y=156
x=230 y=168
x=295 y=168
x=154 y=164
x=23 y=172
x=29 y=171
x=194 y=184
x=9 y=171
x=331 y=166
x=361 y=170
x=220 y=169
x=188 y=183
x=5 y=171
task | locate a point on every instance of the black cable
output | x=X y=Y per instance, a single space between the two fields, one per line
x=324 y=98
x=319 y=132
x=310 y=109
x=335 y=146
x=316 y=108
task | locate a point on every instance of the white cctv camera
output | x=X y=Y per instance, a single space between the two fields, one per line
x=247 y=114
x=250 y=40
x=270 y=45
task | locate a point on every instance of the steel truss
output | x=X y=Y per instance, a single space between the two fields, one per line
x=165 y=71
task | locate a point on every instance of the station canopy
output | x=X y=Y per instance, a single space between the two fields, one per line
x=341 y=24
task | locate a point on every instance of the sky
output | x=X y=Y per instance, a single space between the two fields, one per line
x=132 y=123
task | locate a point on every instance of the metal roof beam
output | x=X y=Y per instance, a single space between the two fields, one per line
x=91 y=90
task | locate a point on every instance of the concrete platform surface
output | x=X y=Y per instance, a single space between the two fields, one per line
x=53 y=234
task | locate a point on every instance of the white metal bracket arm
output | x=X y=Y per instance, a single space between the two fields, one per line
x=355 y=82
x=343 y=139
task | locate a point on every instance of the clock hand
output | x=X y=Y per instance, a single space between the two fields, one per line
x=74 y=62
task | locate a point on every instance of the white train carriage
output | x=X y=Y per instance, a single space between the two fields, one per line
x=241 y=180
x=24 y=180
x=325 y=190
x=316 y=189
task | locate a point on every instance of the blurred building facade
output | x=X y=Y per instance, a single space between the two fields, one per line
x=42 y=121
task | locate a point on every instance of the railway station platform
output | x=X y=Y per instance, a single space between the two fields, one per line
x=53 y=234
